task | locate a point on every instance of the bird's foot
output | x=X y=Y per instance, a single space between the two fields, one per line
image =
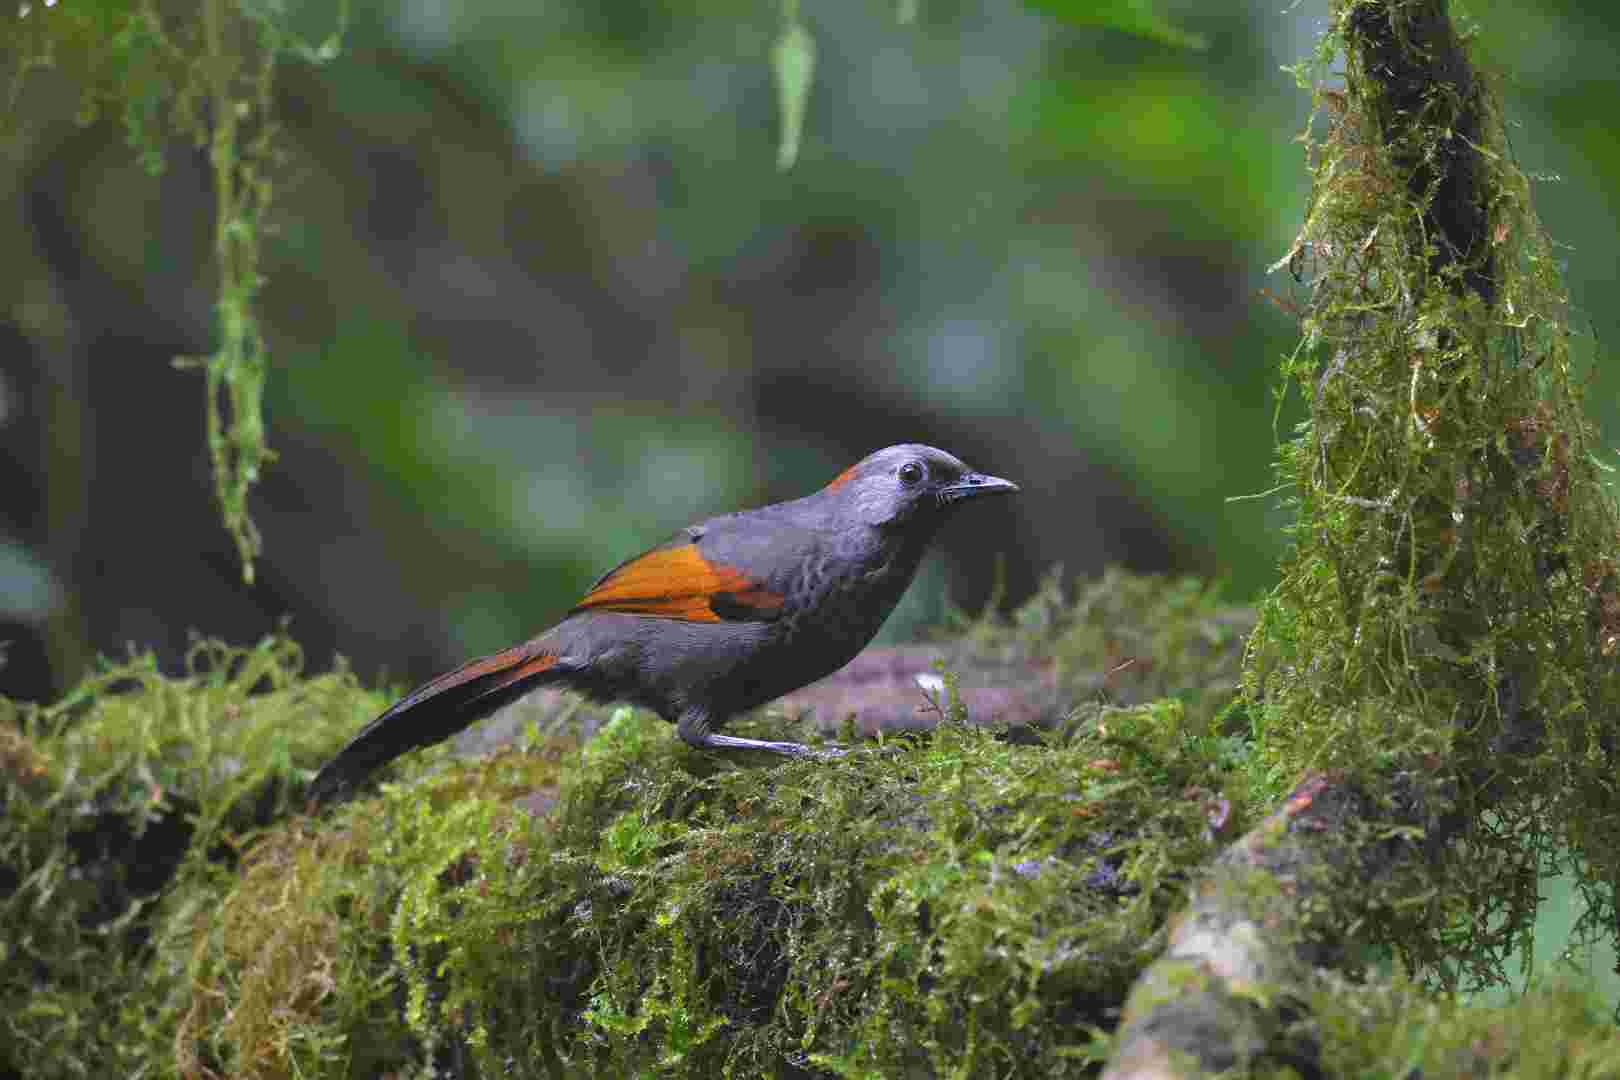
x=712 y=740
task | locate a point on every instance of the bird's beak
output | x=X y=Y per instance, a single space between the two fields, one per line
x=972 y=485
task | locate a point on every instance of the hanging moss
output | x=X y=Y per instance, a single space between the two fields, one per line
x=205 y=71
x=1448 y=601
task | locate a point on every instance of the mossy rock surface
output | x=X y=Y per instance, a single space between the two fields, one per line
x=956 y=905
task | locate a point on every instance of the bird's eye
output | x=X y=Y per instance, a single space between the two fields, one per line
x=911 y=474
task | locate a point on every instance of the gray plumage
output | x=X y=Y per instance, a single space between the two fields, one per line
x=724 y=616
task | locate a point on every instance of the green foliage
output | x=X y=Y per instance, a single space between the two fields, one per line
x=126 y=808
x=1449 y=600
x=793 y=54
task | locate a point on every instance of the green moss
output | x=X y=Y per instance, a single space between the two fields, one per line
x=206 y=73
x=1392 y=1029
x=949 y=901
x=957 y=904
x=948 y=904
x=1449 y=601
x=1119 y=639
x=126 y=808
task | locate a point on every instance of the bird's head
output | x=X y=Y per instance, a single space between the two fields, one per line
x=911 y=483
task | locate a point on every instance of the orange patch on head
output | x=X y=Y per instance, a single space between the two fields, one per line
x=677 y=583
x=844 y=477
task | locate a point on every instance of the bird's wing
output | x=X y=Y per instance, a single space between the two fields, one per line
x=691 y=578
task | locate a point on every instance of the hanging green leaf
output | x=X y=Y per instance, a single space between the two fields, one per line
x=793 y=61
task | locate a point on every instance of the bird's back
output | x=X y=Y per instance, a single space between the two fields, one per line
x=788 y=594
x=839 y=581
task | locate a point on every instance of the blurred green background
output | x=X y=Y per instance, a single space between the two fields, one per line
x=537 y=295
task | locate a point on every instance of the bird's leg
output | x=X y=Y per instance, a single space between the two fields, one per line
x=694 y=730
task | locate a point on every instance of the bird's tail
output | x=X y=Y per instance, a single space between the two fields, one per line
x=437 y=710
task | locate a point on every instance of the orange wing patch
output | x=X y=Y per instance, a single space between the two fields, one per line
x=679 y=583
x=843 y=478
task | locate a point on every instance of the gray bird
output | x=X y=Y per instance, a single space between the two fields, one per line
x=722 y=617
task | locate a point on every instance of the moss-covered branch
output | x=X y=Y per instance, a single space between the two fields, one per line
x=1230 y=990
x=1444 y=628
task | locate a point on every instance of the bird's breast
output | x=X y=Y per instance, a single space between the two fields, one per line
x=842 y=597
